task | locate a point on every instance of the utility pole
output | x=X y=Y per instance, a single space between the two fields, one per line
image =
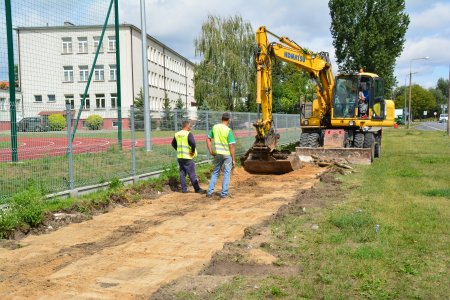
x=404 y=104
x=409 y=105
x=410 y=75
x=448 y=104
x=148 y=145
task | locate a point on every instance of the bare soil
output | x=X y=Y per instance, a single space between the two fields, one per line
x=130 y=252
x=250 y=255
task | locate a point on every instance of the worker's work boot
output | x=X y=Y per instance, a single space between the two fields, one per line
x=201 y=191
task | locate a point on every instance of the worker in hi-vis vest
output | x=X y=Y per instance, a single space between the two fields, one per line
x=224 y=154
x=184 y=143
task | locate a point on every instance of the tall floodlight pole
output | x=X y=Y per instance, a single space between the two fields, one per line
x=410 y=77
x=148 y=145
x=404 y=100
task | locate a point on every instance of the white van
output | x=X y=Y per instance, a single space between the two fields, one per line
x=443 y=118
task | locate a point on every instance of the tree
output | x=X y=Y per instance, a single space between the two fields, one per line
x=442 y=85
x=226 y=74
x=289 y=84
x=139 y=113
x=421 y=100
x=168 y=115
x=369 y=34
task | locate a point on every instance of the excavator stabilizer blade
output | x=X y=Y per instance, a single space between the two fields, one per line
x=363 y=156
x=273 y=166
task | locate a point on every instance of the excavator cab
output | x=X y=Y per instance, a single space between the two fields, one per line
x=349 y=92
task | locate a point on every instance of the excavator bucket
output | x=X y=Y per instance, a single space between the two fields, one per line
x=333 y=150
x=363 y=156
x=260 y=160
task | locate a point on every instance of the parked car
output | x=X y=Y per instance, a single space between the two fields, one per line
x=443 y=118
x=31 y=124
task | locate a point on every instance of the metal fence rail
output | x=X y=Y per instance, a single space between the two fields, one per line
x=48 y=158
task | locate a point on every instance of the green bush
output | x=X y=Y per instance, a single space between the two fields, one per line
x=28 y=206
x=57 y=122
x=94 y=122
x=8 y=222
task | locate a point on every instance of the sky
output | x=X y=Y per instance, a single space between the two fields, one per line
x=178 y=22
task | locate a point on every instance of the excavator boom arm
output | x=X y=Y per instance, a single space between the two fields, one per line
x=317 y=65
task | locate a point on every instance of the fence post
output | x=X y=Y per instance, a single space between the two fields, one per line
x=249 y=126
x=207 y=131
x=286 y=122
x=70 y=150
x=118 y=83
x=12 y=80
x=276 y=122
x=133 y=144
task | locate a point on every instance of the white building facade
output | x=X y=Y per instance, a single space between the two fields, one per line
x=55 y=62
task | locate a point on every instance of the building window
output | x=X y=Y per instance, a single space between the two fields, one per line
x=99 y=73
x=37 y=98
x=2 y=103
x=84 y=73
x=96 y=43
x=70 y=100
x=112 y=72
x=113 y=100
x=112 y=43
x=51 y=98
x=82 y=45
x=87 y=102
x=115 y=123
x=67 y=45
x=68 y=74
x=100 y=101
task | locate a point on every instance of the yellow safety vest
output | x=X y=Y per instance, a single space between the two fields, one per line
x=220 y=132
x=183 y=148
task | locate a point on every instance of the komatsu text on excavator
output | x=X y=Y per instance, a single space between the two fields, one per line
x=347 y=116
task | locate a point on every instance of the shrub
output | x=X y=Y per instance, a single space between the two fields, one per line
x=57 y=122
x=94 y=122
x=28 y=205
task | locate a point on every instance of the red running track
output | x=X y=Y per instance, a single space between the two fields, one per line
x=40 y=147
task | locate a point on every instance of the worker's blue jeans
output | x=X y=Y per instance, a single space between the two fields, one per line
x=227 y=162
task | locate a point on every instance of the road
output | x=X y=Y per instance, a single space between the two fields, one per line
x=431 y=126
x=130 y=252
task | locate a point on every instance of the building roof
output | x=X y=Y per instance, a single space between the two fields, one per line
x=4 y=85
x=124 y=25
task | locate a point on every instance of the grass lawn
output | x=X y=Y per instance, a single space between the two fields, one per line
x=385 y=237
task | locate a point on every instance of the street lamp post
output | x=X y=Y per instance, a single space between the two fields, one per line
x=410 y=77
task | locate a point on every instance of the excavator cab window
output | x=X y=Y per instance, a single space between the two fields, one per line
x=378 y=102
x=345 y=96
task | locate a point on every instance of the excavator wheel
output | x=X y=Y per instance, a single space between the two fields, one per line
x=377 y=150
x=313 y=140
x=369 y=139
x=304 y=139
x=358 y=141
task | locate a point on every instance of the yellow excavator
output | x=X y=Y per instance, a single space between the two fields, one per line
x=346 y=120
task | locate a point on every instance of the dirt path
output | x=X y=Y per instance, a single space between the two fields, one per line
x=130 y=252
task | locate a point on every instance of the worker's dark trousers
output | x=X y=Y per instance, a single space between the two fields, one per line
x=187 y=167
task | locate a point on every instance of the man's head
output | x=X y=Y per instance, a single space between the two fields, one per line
x=186 y=125
x=226 y=118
